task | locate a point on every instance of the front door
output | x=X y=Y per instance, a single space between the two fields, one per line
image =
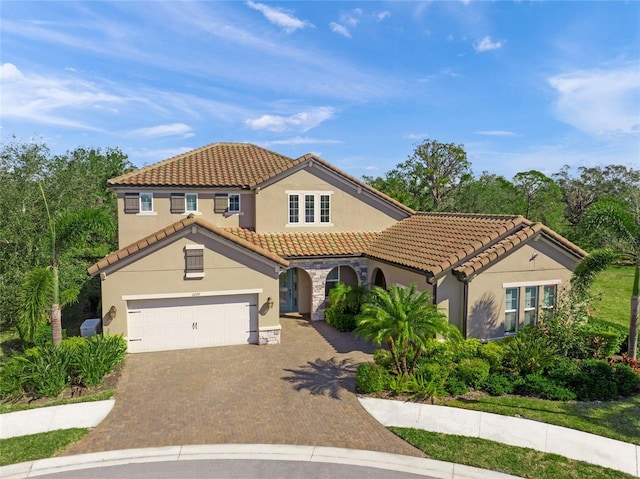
x=289 y=291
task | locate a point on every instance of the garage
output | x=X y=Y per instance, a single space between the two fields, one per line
x=192 y=322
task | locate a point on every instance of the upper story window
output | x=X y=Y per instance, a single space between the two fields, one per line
x=138 y=203
x=191 y=202
x=184 y=203
x=227 y=203
x=317 y=208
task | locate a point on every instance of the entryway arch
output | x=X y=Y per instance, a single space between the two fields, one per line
x=295 y=291
x=340 y=274
x=379 y=279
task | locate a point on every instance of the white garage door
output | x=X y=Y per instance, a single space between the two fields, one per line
x=183 y=323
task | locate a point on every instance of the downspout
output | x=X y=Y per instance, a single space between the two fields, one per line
x=465 y=307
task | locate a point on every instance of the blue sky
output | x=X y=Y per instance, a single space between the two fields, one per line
x=523 y=85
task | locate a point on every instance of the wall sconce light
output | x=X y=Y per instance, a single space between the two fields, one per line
x=112 y=312
x=269 y=302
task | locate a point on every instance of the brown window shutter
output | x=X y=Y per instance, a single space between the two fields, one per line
x=177 y=203
x=194 y=260
x=220 y=203
x=132 y=203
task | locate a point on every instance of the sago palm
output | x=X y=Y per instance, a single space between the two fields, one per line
x=404 y=319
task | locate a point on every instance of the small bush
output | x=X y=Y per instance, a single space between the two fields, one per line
x=455 y=386
x=595 y=381
x=345 y=322
x=563 y=370
x=545 y=388
x=45 y=370
x=467 y=349
x=383 y=358
x=498 y=384
x=11 y=379
x=626 y=379
x=493 y=353
x=600 y=341
x=98 y=359
x=371 y=378
x=429 y=382
x=474 y=372
x=530 y=352
x=436 y=351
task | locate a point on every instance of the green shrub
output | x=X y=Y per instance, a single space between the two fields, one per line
x=371 y=378
x=542 y=387
x=564 y=370
x=436 y=351
x=454 y=386
x=429 y=381
x=45 y=370
x=345 y=322
x=600 y=340
x=595 y=381
x=98 y=359
x=493 y=353
x=383 y=358
x=498 y=384
x=626 y=379
x=11 y=370
x=401 y=384
x=474 y=372
x=467 y=349
x=73 y=346
x=530 y=352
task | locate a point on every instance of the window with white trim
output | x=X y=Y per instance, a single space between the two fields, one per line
x=511 y=311
x=146 y=202
x=234 y=203
x=194 y=261
x=530 y=305
x=138 y=203
x=191 y=202
x=549 y=293
x=317 y=208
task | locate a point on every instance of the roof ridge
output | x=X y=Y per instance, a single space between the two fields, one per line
x=470 y=215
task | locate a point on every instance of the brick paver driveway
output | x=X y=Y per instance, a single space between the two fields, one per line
x=299 y=392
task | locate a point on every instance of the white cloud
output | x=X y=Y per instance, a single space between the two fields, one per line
x=600 y=102
x=349 y=19
x=495 y=133
x=383 y=15
x=279 y=17
x=300 y=140
x=486 y=44
x=173 y=129
x=415 y=136
x=340 y=29
x=9 y=72
x=303 y=121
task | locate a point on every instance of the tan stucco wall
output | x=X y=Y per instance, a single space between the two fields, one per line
x=450 y=294
x=132 y=227
x=350 y=210
x=162 y=271
x=486 y=293
x=396 y=275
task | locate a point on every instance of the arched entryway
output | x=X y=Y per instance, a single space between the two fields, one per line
x=379 y=279
x=340 y=274
x=295 y=291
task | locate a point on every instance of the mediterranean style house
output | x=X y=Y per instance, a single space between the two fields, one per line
x=217 y=243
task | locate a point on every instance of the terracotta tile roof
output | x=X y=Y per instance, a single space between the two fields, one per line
x=292 y=245
x=435 y=242
x=174 y=228
x=215 y=165
x=228 y=165
x=486 y=257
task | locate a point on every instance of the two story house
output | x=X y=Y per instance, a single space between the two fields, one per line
x=217 y=243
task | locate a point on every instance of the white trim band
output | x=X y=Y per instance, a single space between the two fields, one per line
x=531 y=283
x=194 y=294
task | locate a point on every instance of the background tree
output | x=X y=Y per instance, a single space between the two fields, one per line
x=404 y=319
x=73 y=182
x=488 y=193
x=540 y=199
x=619 y=229
x=428 y=178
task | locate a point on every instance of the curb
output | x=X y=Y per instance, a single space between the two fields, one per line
x=352 y=457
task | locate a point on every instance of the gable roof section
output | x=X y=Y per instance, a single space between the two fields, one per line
x=292 y=245
x=170 y=230
x=436 y=242
x=229 y=165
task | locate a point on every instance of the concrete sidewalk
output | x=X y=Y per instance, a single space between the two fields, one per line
x=514 y=431
x=285 y=454
x=44 y=419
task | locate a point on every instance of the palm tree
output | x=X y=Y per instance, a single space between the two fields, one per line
x=616 y=226
x=42 y=285
x=404 y=319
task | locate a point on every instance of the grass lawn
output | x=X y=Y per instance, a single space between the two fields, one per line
x=615 y=419
x=614 y=286
x=518 y=461
x=101 y=396
x=37 y=446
